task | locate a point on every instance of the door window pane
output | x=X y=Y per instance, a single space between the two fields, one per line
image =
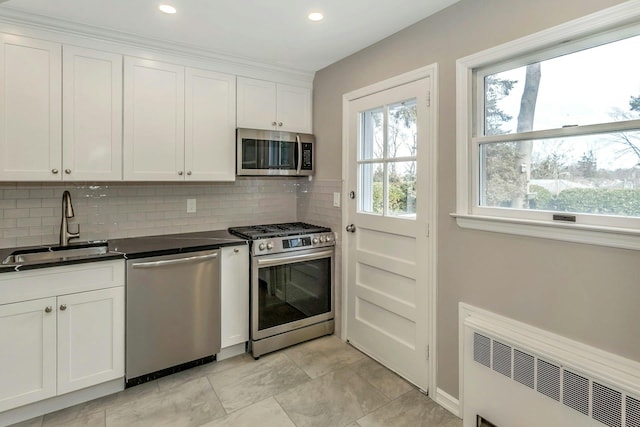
x=402 y=189
x=372 y=140
x=402 y=132
x=371 y=177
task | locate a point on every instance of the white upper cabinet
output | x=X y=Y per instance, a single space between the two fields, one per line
x=273 y=106
x=210 y=115
x=92 y=115
x=153 y=120
x=30 y=109
x=179 y=123
x=294 y=108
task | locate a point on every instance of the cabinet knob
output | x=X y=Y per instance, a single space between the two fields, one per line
x=180 y=173
x=63 y=307
x=54 y=171
x=48 y=309
x=236 y=250
x=273 y=123
x=67 y=171
x=280 y=124
x=188 y=172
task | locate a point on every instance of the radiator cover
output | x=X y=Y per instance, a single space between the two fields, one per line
x=517 y=375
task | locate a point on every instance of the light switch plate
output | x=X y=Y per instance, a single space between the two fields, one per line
x=336 y=200
x=191 y=205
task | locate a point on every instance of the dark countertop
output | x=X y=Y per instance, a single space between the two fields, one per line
x=131 y=248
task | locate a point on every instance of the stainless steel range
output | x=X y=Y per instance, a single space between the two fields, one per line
x=292 y=283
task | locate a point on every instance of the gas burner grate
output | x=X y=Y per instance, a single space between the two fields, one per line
x=263 y=231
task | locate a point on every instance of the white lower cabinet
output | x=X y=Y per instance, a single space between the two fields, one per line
x=70 y=339
x=28 y=352
x=234 y=296
x=90 y=338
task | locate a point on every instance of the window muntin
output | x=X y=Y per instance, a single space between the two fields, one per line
x=387 y=160
x=584 y=112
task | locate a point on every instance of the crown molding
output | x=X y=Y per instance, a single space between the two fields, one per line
x=69 y=28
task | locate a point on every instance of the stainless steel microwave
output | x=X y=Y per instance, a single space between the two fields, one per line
x=264 y=152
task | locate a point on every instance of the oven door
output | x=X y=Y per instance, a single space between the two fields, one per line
x=291 y=290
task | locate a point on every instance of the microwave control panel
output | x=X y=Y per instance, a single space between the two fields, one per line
x=307 y=156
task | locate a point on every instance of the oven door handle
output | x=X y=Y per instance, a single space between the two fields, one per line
x=288 y=259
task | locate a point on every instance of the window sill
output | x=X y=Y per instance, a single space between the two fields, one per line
x=577 y=233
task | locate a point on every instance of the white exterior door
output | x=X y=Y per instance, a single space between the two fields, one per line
x=388 y=214
x=92 y=115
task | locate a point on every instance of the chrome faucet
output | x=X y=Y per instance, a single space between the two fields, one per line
x=67 y=212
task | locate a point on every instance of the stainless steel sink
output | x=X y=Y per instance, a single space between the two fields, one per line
x=55 y=254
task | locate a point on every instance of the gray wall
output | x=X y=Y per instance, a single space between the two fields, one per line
x=587 y=293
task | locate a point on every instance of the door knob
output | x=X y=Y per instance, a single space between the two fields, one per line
x=352 y=194
x=351 y=228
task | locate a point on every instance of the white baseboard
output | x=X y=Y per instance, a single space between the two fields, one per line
x=232 y=351
x=448 y=402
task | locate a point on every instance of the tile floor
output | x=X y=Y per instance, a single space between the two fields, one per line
x=323 y=383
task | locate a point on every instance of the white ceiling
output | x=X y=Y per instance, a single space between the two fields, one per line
x=275 y=32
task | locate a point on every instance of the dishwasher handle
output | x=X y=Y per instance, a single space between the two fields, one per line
x=153 y=264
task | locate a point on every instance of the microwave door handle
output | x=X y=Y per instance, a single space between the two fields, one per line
x=299 y=168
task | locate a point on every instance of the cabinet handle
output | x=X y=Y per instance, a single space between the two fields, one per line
x=67 y=171
x=63 y=307
x=48 y=309
x=188 y=172
x=280 y=124
x=273 y=123
x=54 y=171
x=180 y=173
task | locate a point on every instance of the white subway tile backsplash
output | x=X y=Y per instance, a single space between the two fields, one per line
x=113 y=210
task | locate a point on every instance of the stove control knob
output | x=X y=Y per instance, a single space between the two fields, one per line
x=315 y=240
x=261 y=246
x=321 y=239
x=269 y=245
x=328 y=239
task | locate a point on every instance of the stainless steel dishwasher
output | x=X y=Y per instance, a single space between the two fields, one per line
x=172 y=314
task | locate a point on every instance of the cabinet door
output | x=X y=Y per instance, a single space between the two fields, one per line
x=92 y=115
x=210 y=125
x=256 y=104
x=27 y=352
x=294 y=108
x=153 y=120
x=90 y=338
x=30 y=109
x=235 y=295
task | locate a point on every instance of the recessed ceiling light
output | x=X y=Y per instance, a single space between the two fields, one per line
x=315 y=16
x=167 y=8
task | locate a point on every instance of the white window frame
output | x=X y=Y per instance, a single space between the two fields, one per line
x=587 y=30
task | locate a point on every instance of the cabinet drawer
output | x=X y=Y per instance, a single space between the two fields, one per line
x=46 y=282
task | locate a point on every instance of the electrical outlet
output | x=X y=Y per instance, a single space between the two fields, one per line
x=191 y=205
x=336 y=200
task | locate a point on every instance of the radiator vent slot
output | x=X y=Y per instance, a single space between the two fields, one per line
x=549 y=379
x=482 y=350
x=524 y=368
x=502 y=358
x=575 y=392
x=607 y=405
x=632 y=412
